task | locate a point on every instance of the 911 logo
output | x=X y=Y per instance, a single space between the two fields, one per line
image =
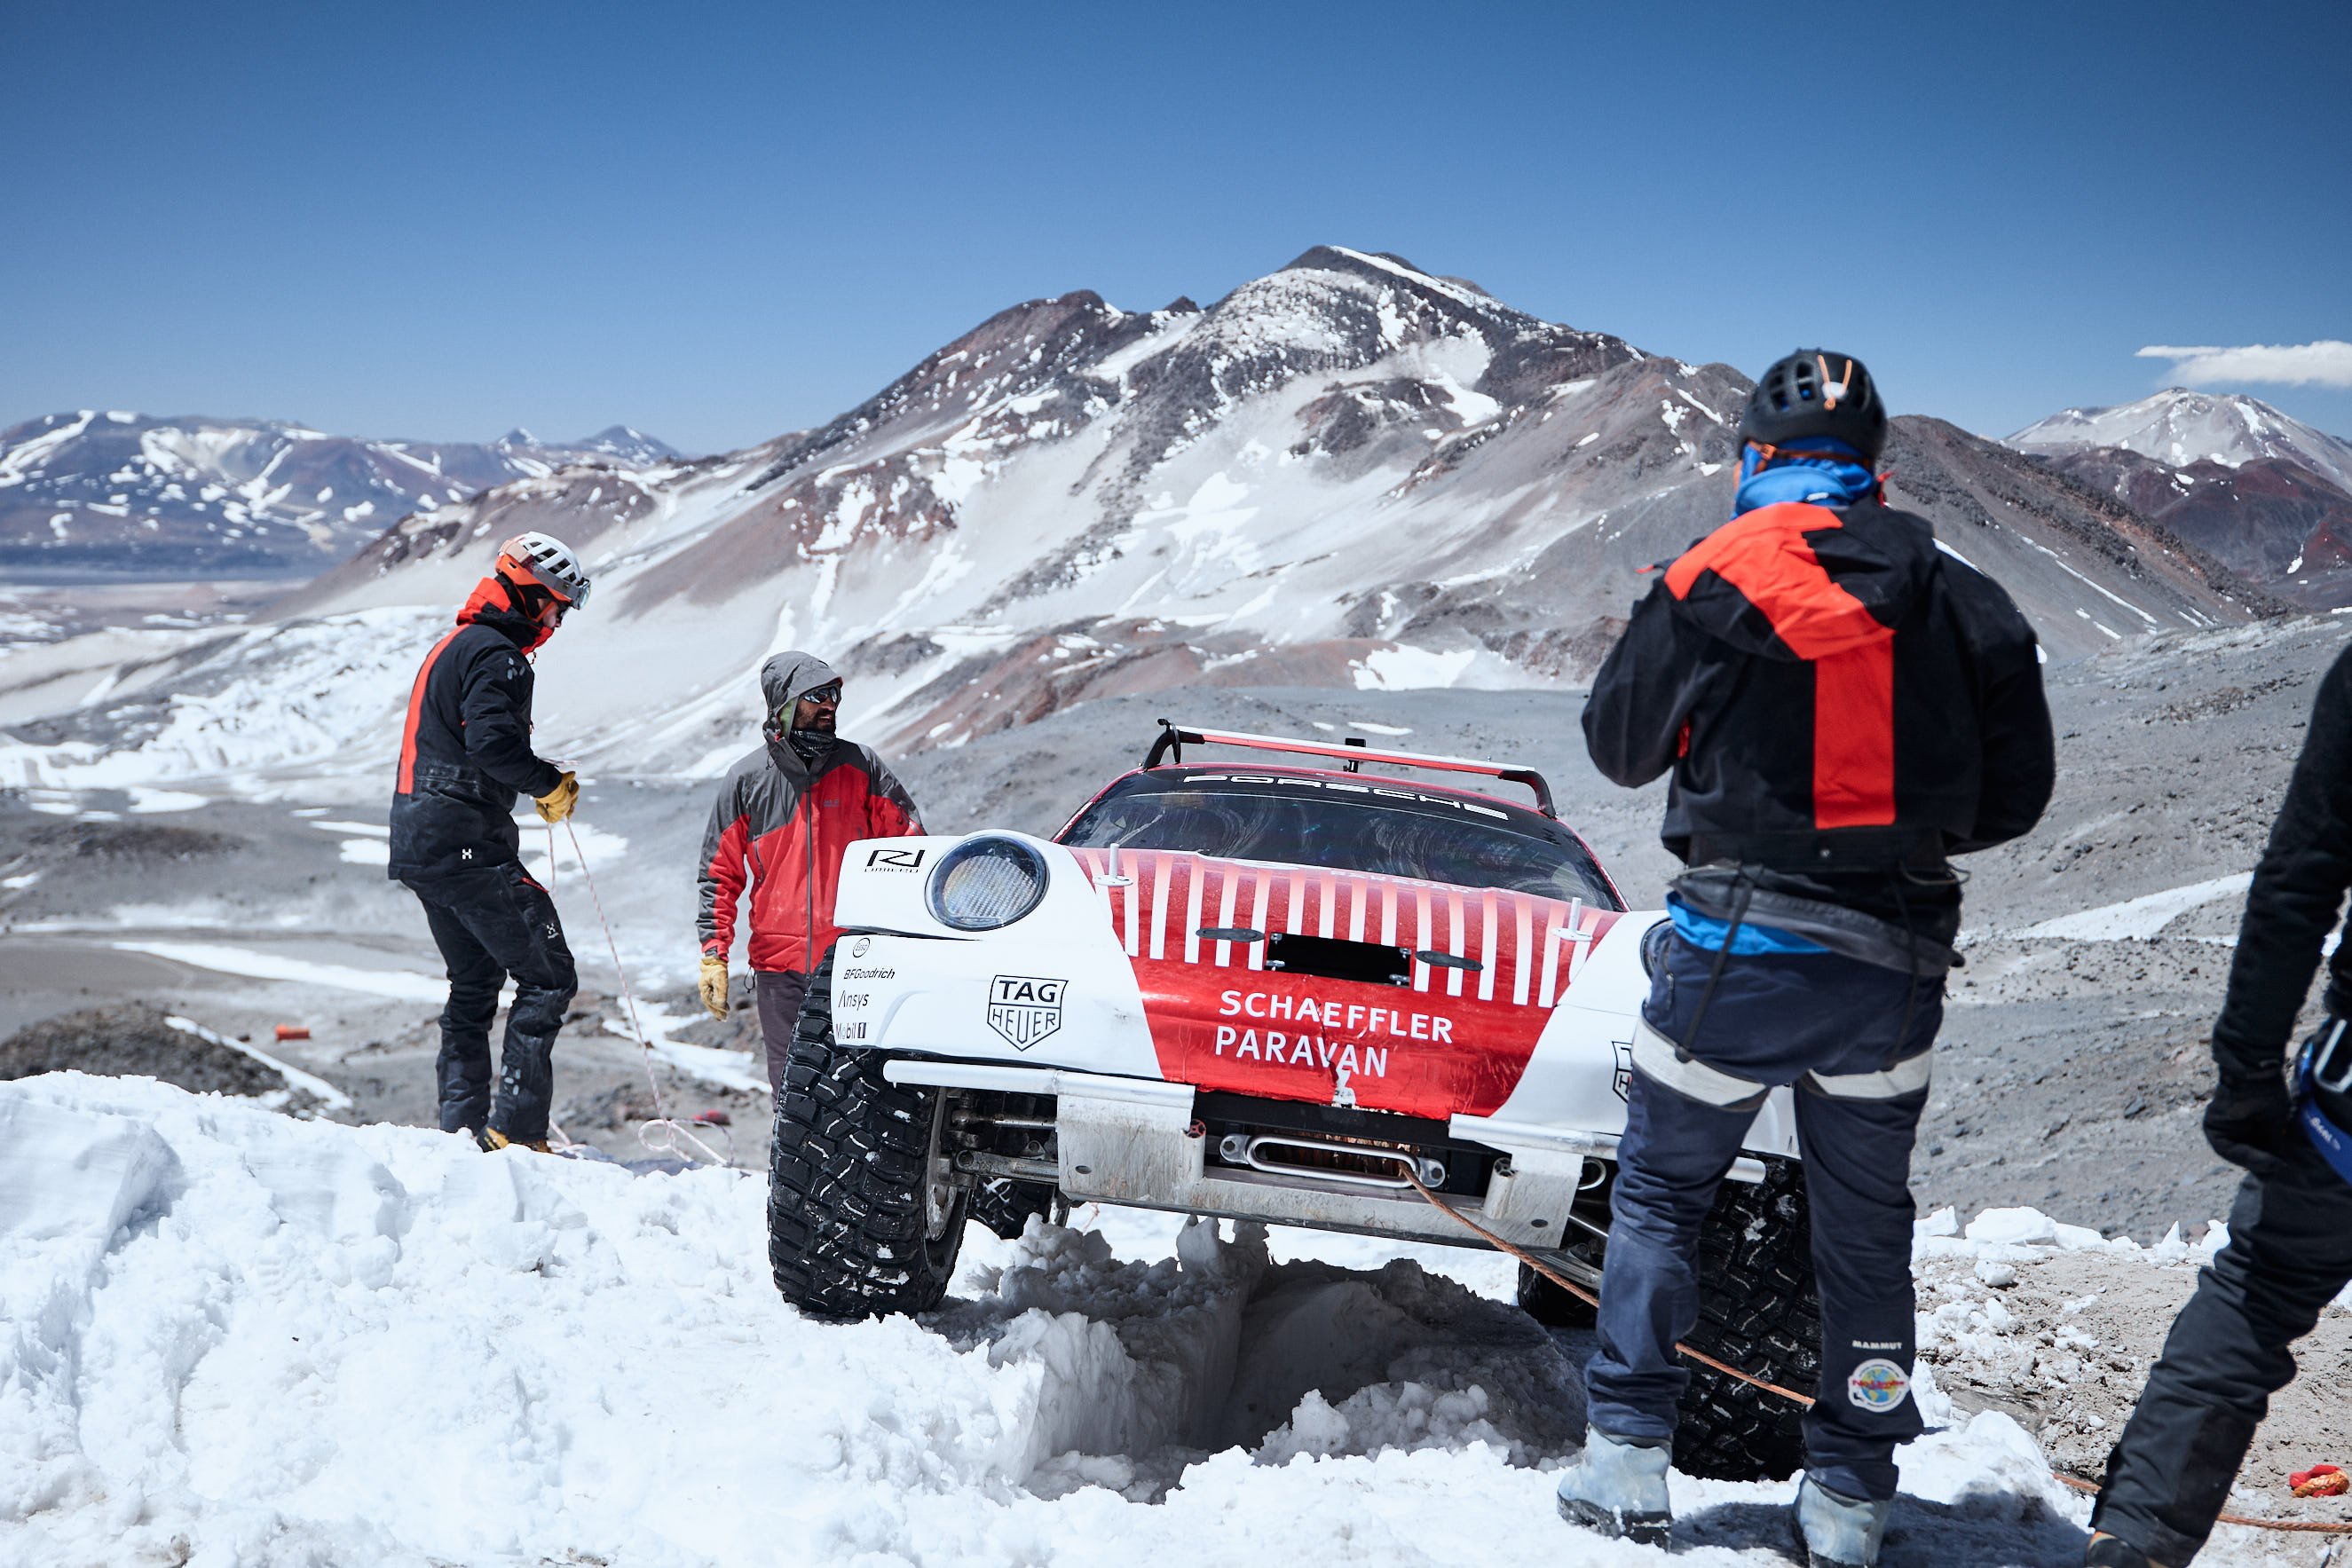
x=1025 y=1008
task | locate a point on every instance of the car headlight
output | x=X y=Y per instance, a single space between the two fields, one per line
x=985 y=882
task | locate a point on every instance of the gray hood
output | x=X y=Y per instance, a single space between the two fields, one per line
x=788 y=677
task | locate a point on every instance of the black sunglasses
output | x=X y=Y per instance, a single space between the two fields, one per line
x=831 y=693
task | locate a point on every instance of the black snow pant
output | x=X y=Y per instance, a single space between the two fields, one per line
x=1853 y=1039
x=781 y=994
x=489 y=924
x=2289 y=1252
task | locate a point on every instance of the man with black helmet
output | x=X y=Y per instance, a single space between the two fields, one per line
x=783 y=815
x=465 y=756
x=2290 y=1246
x=1843 y=707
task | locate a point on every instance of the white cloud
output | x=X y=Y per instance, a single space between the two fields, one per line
x=2326 y=363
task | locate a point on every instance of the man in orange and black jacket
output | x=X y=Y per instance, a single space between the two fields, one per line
x=1842 y=706
x=465 y=758
x=783 y=815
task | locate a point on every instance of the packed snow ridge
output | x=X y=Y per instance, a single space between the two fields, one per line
x=235 y=1337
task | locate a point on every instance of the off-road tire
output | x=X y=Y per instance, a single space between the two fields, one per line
x=1005 y=1206
x=1553 y=1307
x=848 y=1230
x=1757 y=1312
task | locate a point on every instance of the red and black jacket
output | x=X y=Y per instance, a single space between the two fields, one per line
x=786 y=822
x=465 y=752
x=1834 y=695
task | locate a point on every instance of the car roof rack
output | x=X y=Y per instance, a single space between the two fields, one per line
x=1173 y=738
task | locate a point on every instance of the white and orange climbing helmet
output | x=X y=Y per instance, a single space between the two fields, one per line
x=545 y=561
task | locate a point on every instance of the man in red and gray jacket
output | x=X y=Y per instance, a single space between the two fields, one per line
x=786 y=812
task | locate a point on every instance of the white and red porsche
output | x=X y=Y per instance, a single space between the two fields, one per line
x=1259 y=991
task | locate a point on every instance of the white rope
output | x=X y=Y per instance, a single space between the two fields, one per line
x=671 y=1132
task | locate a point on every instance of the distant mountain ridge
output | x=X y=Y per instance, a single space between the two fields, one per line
x=1349 y=473
x=2267 y=496
x=130 y=495
x=2180 y=427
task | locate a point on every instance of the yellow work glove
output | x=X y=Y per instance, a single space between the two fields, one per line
x=557 y=803
x=713 y=985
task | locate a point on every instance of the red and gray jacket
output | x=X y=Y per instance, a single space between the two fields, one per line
x=785 y=825
x=1832 y=694
x=465 y=749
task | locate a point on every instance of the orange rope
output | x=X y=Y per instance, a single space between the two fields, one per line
x=2317 y=1527
x=1581 y=1293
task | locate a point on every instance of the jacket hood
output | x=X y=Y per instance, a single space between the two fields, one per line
x=1795 y=580
x=788 y=677
x=492 y=604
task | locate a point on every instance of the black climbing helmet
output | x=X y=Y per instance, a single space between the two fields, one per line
x=1818 y=392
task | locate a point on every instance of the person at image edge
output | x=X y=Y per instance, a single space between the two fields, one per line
x=2290 y=1248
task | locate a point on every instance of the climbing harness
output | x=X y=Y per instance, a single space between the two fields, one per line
x=660 y=1133
x=2316 y=1527
x=2323 y=1078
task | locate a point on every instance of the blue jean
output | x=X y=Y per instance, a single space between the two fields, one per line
x=1773 y=1019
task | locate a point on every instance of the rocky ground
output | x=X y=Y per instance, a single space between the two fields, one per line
x=2057 y=1330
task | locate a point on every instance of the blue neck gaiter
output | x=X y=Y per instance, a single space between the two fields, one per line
x=1833 y=476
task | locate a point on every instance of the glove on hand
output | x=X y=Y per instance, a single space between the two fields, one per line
x=2249 y=1122
x=713 y=985
x=557 y=803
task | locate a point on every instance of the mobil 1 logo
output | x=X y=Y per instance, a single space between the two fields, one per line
x=1025 y=1008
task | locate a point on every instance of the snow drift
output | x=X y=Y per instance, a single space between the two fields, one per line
x=238 y=1338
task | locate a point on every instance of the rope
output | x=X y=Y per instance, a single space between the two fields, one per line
x=667 y=1140
x=1581 y=1293
x=2315 y=1527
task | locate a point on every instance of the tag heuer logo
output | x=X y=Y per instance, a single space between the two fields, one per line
x=1025 y=1008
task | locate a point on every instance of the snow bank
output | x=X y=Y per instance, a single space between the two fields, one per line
x=237 y=1338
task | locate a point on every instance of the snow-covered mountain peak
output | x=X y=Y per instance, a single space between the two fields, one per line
x=628 y=446
x=2181 y=427
x=192 y=495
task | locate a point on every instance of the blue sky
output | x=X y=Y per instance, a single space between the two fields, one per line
x=721 y=222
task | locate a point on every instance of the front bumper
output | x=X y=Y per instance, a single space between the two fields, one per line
x=1139 y=1143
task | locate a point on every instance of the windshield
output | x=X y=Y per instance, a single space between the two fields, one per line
x=1378 y=825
